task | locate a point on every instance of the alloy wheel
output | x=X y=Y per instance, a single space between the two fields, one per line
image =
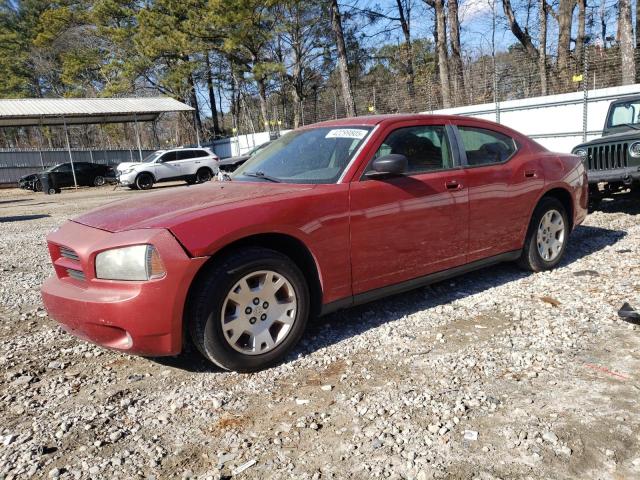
x=258 y=312
x=551 y=235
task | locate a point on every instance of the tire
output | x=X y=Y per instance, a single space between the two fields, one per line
x=37 y=186
x=99 y=181
x=212 y=308
x=144 y=181
x=53 y=191
x=203 y=175
x=547 y=236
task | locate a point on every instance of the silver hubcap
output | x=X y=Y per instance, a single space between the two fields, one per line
x=258 y=312
x=551 y=233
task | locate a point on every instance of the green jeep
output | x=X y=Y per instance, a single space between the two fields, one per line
x=613 y=161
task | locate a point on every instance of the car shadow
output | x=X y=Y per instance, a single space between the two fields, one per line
x=628 y=202
x=325 y=331
x=22 y=218
x=17 y=200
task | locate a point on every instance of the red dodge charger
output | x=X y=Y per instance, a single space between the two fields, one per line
x=328 y=216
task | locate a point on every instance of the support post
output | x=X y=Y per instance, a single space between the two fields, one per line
x=73 y=168
x=135 y=122
x=40 y=143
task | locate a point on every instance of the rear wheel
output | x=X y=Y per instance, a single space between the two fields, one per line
x=247 y=312
x=203 y=175
x=144 y=181
x=99 y=181
x=547 y=236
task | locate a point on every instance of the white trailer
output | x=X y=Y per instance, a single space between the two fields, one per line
x=555 y=121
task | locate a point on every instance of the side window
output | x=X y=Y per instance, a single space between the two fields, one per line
x=168 y=157
x=484 y=147
x=185 y=154
x=64 y=168
x=200 y=153
x=426 y=147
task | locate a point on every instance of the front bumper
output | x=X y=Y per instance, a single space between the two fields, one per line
x=142 y=318
x=628 y=174
x=126 y=178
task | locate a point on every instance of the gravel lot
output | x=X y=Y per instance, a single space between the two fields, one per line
x=497 y=374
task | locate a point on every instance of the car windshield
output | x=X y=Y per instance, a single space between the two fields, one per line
x=625 y=114
x=52 y=168
x=316 y=155
x=153 y=156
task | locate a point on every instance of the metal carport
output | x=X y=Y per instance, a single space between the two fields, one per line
x=81 y=111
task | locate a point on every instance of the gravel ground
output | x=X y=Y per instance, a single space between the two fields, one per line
x=497 y=374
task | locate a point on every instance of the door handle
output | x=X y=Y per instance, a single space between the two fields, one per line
x=197 y=162
x=530 y=173
x=453 y=185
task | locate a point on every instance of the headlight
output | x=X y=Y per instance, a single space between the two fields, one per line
x=581 y=152
x=140 y=262
x=634 y=149
x=128 y=170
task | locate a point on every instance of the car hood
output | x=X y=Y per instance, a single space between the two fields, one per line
x=614 y=138
x=233 y=160
x=166 y=208
x=125 y=165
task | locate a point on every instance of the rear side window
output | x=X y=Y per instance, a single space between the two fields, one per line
x=185 y=154
x=200 y=153
x=484 y=147
x=426 y=147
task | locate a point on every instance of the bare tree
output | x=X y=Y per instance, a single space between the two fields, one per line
x=542 y=46
x=343 y=65
x=522 y=35
x=625 y=33
x=212 y=97
x=456 y=51
x=404 y=16
x=441 y=47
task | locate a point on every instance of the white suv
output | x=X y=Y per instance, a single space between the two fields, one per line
x=194 y=165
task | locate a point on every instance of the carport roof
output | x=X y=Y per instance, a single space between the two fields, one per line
x=74 y=111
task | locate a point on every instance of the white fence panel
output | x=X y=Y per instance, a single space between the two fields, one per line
x=241 y=144
x=555 y=121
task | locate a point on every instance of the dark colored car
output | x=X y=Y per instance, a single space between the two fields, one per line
x=329 y=216
x=232 y=163
x=614 y=159
x=86 y=173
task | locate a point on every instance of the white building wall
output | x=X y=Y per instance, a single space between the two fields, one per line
x=555 y=121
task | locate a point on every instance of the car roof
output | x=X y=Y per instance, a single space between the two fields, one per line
x=372 y=120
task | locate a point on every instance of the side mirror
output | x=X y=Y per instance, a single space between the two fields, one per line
x=392 y=164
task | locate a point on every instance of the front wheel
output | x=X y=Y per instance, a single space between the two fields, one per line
x=248 y=312
x=144 y=181
x=547 y=236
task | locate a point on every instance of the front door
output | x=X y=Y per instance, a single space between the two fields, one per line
x=408 y=226
x=167 y=166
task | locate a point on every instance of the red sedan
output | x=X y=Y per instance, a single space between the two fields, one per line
x=328 y=216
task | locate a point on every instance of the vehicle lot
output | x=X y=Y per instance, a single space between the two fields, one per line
x=539 y=365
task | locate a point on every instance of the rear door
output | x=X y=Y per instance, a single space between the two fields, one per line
x=63 y=176
x=503 y=183
x=186 y=160
x=409 y=226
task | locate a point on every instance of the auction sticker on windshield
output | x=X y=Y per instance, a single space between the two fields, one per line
x=347 y=133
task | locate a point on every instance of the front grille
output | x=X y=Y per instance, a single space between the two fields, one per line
x=607 y=157
x=70 y=254
x=76 y=274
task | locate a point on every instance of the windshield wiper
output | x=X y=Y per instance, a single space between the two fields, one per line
x=259 y=174
x=632 y=125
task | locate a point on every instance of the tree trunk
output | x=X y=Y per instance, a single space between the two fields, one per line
x=262 y=96
x=625 y=30
x=443 y=57
x=297 y=91
x=542 y=47
x=582 y=13
x=193 y=101
x=212 y=96
x=343 y=65
x=405 y=19
x=523 y=36
x=565 y=19
x=456 y=55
